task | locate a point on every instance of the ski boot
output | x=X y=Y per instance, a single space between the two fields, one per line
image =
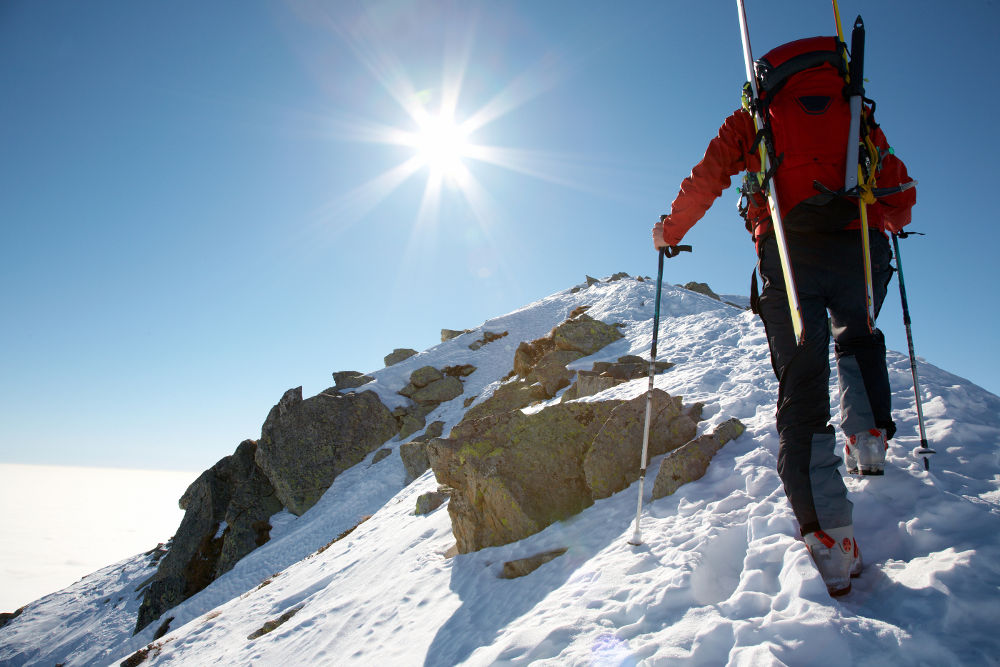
x=864 y=453
x=837 y=557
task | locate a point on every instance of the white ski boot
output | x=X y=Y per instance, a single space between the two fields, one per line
x=837 y=557
x=864 y=453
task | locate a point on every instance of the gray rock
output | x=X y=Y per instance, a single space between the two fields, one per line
x=508 y=396
x=589 y=383
x=424 y=375
x=584 y=334
x=515 y=474
x=690 y=462
x=629 y=370
x=439 y=391
x=527 y=355
x=7 y=617
x=381 y=455
x=415 y=462
x=702 y=288
x=606 y=374
x=398 y=355
x=275 y=623
x=414 y=453
x=540 y=365
x=434 y=430
x=413 y=420
x=614 y=457
x=448 y=334
x=461 y=370
x=513 y=569
x=420 y=379
x=551 y=371
x=350 y=379
x=488 y=337
x=226 y=512
x=305 y=444
x=429 y=502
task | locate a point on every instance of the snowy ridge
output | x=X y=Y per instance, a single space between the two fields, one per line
x=721 y=578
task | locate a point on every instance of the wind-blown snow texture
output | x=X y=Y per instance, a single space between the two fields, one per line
x=721 y=578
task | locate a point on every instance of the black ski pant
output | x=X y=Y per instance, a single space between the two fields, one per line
x=829 y=275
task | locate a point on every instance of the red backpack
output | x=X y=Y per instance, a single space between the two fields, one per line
x=802 y=102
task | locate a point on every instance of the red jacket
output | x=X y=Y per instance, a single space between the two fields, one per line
x=729 y=154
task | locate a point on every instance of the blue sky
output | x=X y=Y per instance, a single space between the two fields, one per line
x=202 y=203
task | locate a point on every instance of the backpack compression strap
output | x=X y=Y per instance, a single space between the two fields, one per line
x=772 y=78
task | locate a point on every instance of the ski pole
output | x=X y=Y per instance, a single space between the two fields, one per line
x=924 y=450
x=669 y=251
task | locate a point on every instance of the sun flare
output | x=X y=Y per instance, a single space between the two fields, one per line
x=441 y=144
x=441 y=136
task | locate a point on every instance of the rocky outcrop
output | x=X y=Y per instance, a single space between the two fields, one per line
x=488 y=337
x=584 y=334
x=613 y=461
x=305 y=444
x=459 y=370
x=690 y=462
x=430 y=501
x=540 y=366
x=702 y=288
x=398 y=355
x=605 y=375
x=350 y=380
x=414 y=453
x=514 y=474
x=428 y=388
x=226 y=512
x=590 y=281
x=439 y=391
x=7 y=617
x=511 y=395
x=411 y=418
x=448 y=334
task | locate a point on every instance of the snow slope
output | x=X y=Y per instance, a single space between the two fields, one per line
x=721 y=578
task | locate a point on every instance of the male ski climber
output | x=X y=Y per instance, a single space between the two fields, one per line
x=808 y=125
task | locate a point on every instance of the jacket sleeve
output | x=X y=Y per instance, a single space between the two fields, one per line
x=725 y=157
x=895 y=209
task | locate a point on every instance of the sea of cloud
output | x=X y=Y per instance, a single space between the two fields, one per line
x=61 y=523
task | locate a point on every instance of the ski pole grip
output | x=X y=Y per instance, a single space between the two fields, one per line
x=674 y=250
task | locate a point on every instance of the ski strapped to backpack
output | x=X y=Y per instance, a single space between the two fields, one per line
x=763 y=184
x=853 y=175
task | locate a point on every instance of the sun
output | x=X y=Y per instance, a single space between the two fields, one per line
x=441 y=137
x=441 y=144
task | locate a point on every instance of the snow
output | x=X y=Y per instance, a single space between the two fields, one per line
x=720 y=578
